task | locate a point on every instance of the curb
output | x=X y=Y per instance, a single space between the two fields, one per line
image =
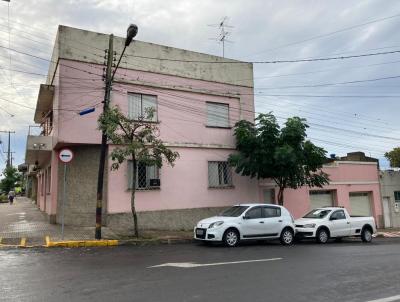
x=142 y=242
x=80 y=243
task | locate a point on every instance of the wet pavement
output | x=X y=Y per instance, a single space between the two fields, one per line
x=23 y=219
x=347 y=271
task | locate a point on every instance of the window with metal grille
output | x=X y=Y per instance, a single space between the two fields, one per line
x=219 y=174
x=140 y=104
x=147 y=177
x=217 y=115
x=397 y=196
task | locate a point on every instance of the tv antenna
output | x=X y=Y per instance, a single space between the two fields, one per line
x=223 y=34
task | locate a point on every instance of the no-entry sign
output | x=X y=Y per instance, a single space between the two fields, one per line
x=66 y=155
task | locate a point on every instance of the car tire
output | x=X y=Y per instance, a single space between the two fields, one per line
x=231 y=238
x=366 y=235
x=322 y=236
x=287 y=236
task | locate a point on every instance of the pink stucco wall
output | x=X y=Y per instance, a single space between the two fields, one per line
x=182 y=115
x=344 y=178
x=183 y=186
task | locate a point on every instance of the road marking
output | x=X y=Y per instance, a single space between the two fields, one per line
x=388 y=299
x=192 y=264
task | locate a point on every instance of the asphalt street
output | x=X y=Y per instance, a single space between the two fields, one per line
x=346 y=271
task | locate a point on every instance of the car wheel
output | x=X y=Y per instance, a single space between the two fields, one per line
x=366 y=235
x=287 y=236
x=322 y=236
x=231 y=238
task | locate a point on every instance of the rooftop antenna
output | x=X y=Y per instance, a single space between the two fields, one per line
x=223 y=34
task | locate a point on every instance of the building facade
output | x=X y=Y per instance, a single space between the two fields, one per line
x=196 y=105
x=390 y=189
x=353 y=185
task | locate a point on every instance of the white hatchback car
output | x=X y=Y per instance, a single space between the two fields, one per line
x=246 y=222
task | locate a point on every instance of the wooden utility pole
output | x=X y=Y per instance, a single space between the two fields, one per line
x=9 y=148
x=103 y=149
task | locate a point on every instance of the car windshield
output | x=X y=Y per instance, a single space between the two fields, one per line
x=234 y=211
x=317 y=213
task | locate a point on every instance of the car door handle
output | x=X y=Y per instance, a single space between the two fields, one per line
x=261 y=222
x=348 y=222
x=280 y=220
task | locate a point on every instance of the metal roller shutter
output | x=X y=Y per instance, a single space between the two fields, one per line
x=320 y=199
x=360 y=204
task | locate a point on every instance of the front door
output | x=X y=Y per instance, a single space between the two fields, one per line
x=254 y=224
x=386 y=212
x=341 y=225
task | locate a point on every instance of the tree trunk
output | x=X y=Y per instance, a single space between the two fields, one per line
x=134 y=215
x=280 y=196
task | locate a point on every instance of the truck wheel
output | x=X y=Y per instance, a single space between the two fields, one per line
x=287 y=236
x=366 y=235
x=322 y=236
x=231 y=238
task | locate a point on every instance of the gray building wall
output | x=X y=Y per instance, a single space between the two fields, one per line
x=81 y=184
x=390 y=182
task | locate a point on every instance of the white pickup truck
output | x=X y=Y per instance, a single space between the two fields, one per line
x=334 y=222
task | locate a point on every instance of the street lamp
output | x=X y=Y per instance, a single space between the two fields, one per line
x=130 y=34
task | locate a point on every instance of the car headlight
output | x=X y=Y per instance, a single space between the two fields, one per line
x=309 y=226
x=215 y=224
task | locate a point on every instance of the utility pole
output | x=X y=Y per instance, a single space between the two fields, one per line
x=109 y=77
x=103 y=148
x=9 y=164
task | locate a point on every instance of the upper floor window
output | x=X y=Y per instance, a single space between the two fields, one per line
x=217 y=115
x=147 y=177
x=219 y=174
x=397 y=196
x=139 y=106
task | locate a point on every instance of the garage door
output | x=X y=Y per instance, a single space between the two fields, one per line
x=360 y=204
x=320 y=199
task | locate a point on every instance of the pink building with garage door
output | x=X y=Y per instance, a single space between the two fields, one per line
x=197 y=98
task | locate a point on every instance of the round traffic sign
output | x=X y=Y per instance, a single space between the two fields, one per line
x=66 y=155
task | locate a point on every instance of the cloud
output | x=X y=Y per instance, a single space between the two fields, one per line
x=259 y=26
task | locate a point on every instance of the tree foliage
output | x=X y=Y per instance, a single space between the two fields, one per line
x=136 y=140
x=394 y=157
x=284 y=155
x=10 y=180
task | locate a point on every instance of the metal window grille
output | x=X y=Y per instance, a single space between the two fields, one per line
x=147 y=177
x=217 y=114
x=139 y=104
x=219 y=174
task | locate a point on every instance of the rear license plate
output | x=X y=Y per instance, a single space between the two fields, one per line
x=199 y=232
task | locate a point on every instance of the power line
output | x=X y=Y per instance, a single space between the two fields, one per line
x=327 y=34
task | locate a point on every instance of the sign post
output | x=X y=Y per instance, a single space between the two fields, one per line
x=66 y=157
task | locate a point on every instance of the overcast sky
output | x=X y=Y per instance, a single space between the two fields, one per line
x=361 y=116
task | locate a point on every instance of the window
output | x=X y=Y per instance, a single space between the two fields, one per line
x=147 y=177
x=219 y=174
x=140 y=104
x=254 y=213
x=338 y=215
x=397 y=196
x=235 y=211
x=269 y=212
x=217 y=115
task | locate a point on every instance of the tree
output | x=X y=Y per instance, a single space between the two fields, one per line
x=136 y=140
x=283 y=155
x=394 y=157
x=11 y=177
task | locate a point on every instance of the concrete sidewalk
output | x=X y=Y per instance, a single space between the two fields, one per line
x=24 y=220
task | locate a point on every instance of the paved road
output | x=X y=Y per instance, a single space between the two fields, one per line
x=348 y=271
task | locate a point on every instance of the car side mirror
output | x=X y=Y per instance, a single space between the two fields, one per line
x=333 y=218
x=245 y=217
